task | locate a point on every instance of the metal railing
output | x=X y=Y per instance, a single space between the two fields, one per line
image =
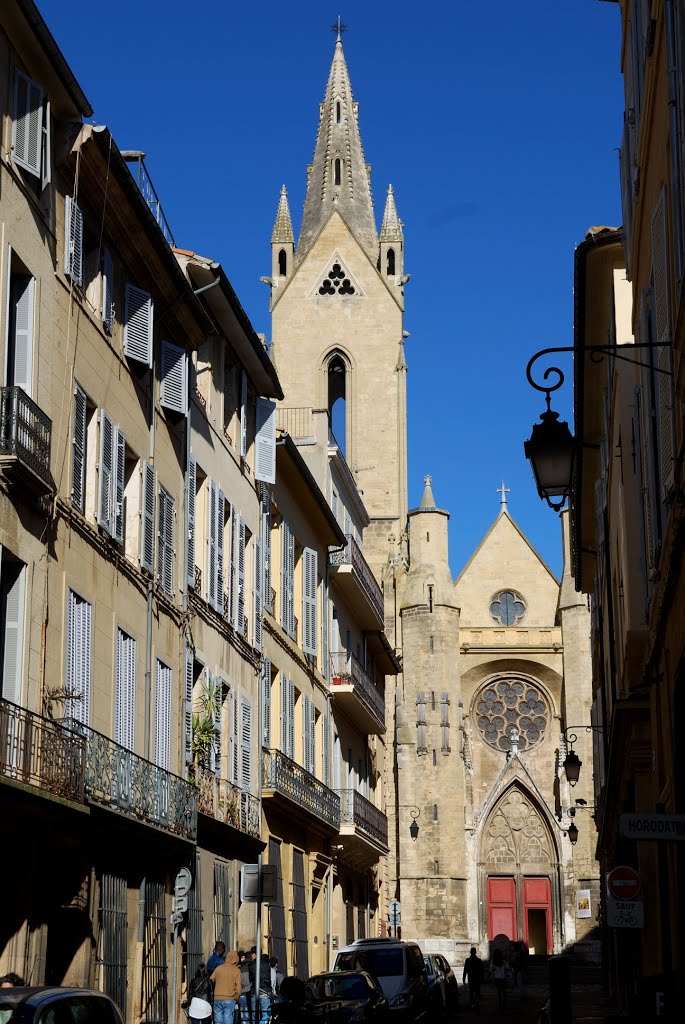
x=221 y=800
x=122 y=781
x=136 y=165
x=298 y=421
x=356 y=810
x=281 y=774
x=197 y=580
x=345 y=668
x=352 y=555
x=41 y=753
x=25 y=432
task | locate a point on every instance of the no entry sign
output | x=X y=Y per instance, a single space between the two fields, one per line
x=623 y=883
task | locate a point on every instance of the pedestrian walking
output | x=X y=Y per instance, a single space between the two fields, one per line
x=473 y=974
x=245 y=987
x=217 y=956
x=261 y=988
x=226 y=978
x=201 y=995
x=276 y=976
x=500 y=975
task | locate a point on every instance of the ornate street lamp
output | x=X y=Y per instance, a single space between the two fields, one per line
x=573 y=833
x=572 y=763
x=551 y=446
x=414 y=827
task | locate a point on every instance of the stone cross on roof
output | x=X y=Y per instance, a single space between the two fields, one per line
x=503 y=491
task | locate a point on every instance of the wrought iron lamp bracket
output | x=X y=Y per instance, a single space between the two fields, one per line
x=596 y=353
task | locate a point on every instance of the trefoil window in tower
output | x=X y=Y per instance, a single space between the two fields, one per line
x=336 y=282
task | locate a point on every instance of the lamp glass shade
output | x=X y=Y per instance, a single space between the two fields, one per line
x=572 y=766
x=550 y=451
x=573 y=833
x=414 y=830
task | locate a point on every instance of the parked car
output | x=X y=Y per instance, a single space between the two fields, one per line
x=398 y=968
x=345 y=997
x=436 y=984
x=442 y=984
x=45 y=1005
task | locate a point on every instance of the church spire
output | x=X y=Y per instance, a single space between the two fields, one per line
x=283 y=227
x=338 y=178
x=391 y=229
x=282 y=245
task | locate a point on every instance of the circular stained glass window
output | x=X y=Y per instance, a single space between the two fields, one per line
x=511 y=709
x=508 y=608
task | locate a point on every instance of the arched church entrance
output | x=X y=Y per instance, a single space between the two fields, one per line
x=519 y=873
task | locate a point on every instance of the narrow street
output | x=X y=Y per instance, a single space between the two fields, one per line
x=589 y=1002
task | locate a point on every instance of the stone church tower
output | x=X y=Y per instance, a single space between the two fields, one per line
x=495 y=664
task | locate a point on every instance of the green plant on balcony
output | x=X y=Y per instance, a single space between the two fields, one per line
x=206 y=724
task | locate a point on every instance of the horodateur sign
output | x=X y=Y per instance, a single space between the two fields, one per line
x=652 y=826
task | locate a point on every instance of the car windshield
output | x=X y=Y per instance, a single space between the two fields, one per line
x=332 y=987
x=381 y=963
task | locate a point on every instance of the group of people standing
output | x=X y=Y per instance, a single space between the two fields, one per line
x=228 y=982
x=503 y=971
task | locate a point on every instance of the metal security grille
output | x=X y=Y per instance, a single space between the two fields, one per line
x=300 y=917
x=113 y=934
x=155 y=1001
x=194 y=942
x=222 y=903
x=277 y=939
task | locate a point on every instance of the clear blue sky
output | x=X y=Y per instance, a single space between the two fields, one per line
x=498 y=125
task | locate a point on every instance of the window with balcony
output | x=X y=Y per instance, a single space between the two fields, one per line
x=78 y=657
x=12 y=604
x=20 y=345
x=163 y=680
x=125 y=691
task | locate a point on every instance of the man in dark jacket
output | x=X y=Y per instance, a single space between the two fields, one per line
x=473 y=971
x=264 y=990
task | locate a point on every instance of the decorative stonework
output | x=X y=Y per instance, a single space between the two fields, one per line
x=337 y=281
x=508 y=608
x=516 y=834
x=511 y=709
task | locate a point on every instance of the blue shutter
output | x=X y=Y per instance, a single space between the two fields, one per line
x=165 y=566
x=190 y=526
x=147 y=519
x=138 y=321
x=257 y=597
x=78 y=456
x=118 y=517
x=265 y=686
x=265 y=441
x=106 y=472
x=188 y=705
x=245 y=745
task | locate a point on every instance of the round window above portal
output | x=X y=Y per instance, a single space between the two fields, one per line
x=508 y=608
x=511 y=711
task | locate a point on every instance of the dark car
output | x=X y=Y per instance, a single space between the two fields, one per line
x=398 y=968
x=345 y=997
x=44 y=1005
x=451 y=984
x=442 y=984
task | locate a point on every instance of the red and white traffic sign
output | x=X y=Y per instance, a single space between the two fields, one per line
x=623 y=883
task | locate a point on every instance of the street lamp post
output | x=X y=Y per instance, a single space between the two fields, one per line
x=572 y=763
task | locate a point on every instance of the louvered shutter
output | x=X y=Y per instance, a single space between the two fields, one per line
x=421 y=746
x=243 y=414
x=190 y=525
x=309 y=562
x=265 y=693
x=125 y=710
x=257 y=597
x=174 y=378
x=79 y=635
x=231 y=567
x=118 y=517
x=240 y=617
x=13 y=635
x=138 y=321
x=663 y=355
x=27 y=127
x=287 y=570
x=211 y=546
x=245 y=745
x=265 y=441
x=287 y=717
x=325 y=653
x=162 y=715
x=220 y=526
x=22 y=299
x=166 y=542
x=445 y=723
x=73 y=241
x=107 y=291
x=78 y=451
x=216 y=685
x=189 y=665
x=308 y=722
x=46 y=155
x=265 y=500
x=326 y=746
x=235 y=740
x=106 y=472
x=147 y=520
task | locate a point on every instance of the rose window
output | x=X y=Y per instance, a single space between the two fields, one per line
x=508 y=608
x=511 y=710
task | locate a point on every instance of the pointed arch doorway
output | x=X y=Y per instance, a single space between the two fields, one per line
x=519 y=874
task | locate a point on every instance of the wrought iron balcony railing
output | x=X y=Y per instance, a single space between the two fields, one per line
x=346 y=668
x=41 y=753
x=225 y=802
x=25 y=433
x=352 y=555
x=136 y=165
x=122 y=781
x=356 y=810
x=284 y=776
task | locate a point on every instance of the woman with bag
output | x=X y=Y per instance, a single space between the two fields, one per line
x=201 y=993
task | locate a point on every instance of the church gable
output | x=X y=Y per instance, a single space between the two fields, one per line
x=337 y=280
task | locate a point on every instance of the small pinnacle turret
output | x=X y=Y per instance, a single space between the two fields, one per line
x=427 y=501
x=283 y=227
x=391 y=229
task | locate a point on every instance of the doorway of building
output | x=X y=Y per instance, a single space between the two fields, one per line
x=521 y=907
x=537 y=932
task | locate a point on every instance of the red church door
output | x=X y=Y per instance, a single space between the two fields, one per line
x=537 y=915
x=501 y=907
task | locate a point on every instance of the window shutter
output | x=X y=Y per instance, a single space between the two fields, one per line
x=220 y=524
x=166 y=542
x=240 y=623
x=265 y=441
x=211 y=546
x=326 y=745
x=79 y=633
x=13 y=637
x=309 y=720
x=106 y=472
x=78 y=453
x=287 y=717
x=46 y=147
x=663 y=355
x=287 y=573
x=235 y=741
x=265 y=688
x=120 y=471
x=27 y=127
x=325 y=653
x=73 y=241
x=266 y=546
x=147 y=523
x=245 y=745
x=421 y=746
x=22 y=300
x=174 y=378
x=190 y=527
x=107 y=291
x=188 y=706
x=125 y=711
x=216 y=685
x=162 y=715
x=309 y=561
x=445 y=722
x=257 y=602
x=243 y=414
x=138 y=320
x=233 y=583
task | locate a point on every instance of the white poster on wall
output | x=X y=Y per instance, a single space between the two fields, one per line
x=583 y=903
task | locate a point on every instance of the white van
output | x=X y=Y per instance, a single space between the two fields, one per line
x=399 y=969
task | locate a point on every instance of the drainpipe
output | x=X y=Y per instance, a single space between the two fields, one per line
x=150 y=582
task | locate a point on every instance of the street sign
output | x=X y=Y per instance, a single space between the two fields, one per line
x=176 y=918
x=394 y=908
x=623 y=883
x=182 y=885
x=652 y=826
x=255 y=887
x=625 y=913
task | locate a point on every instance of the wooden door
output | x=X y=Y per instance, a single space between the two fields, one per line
x=501 y=896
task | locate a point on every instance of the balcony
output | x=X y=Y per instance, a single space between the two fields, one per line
x=363 y=827
x=358 y=584
x=354 y=691
x=136 y=165
x=121 y=781
x=40 y=753
x=25 y=440
x=225 y=802
x=283 y=778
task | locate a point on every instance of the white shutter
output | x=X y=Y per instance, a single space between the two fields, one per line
x=73 y=241
x=190 y=525
x=27 y=127
x=265 y=441
x=22 y=300
x=46 y=154
x=147 y=520
x=325 y=653
x=232 y=583
x=327 y=749
x=308 y=734
x=174 y=378
x=240 y=617
x=188 y=706
x=125 y=709
x=310 y=573
x=13 y=639
x=118 y=517
x=217 y=687
x=291 y=718
x=79 y=636
x=106 y=472
x=138 y=320
x=211 y=545
x=257 y=597
x=266 y=546
x=285 y=728
x=243 y=414
x=662 y=319
x=165 y=566
x=265 y=688
x=235 y=741
x=245 y=745
x=107 y=291
x=162 y=716
x=78 y=451
x=220 y=526
x=287 y=572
